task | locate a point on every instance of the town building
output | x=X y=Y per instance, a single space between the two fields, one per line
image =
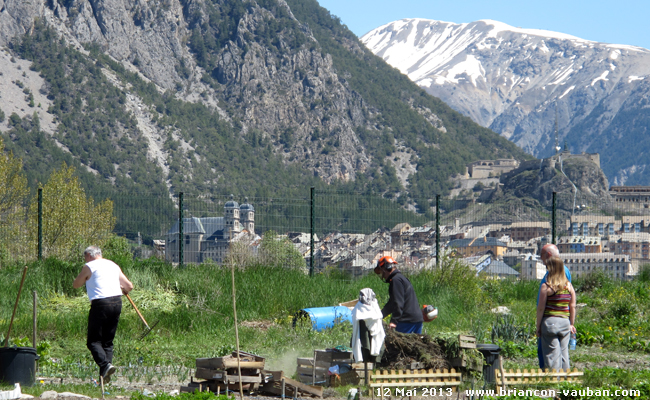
x=635 y=245
x=491 y=168
x=532 y=268
x=592 y=225
x=631 y=196
x=616 y=266
x=397 y=232
x=210 y=238
x=476 y=246
x=579 y=244
x=525 y=231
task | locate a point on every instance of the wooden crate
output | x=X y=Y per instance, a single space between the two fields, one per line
x=315 y=370
x=466 y=342
x=517 y=377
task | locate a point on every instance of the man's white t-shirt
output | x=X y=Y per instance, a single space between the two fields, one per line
x=104 y=279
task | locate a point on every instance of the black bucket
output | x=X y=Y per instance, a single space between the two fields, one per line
x=491 y=353
x=18 y=365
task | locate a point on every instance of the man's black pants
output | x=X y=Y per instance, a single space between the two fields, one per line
x=102 y=324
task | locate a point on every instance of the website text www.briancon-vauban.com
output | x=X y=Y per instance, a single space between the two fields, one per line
x=500 y=392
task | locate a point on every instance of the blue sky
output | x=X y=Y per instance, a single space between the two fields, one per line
x=613 y=21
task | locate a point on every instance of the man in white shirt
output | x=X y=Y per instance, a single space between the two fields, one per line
x=105 y=284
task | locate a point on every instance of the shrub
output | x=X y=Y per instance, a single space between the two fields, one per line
x=593 y=281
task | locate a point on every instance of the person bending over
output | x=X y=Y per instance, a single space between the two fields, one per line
x=402 y=305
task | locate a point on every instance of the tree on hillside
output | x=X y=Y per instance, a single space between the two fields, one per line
x=13 y=193
x=71 y=221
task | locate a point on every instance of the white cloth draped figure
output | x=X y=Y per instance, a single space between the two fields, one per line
x=367 y=309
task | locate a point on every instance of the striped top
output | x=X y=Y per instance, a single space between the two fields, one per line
x=557 y=305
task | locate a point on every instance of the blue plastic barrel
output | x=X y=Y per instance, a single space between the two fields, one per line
x=325 y=317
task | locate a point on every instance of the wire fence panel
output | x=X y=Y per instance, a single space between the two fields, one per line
x=347 y=231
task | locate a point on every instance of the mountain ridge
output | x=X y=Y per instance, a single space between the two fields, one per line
x=511 y=80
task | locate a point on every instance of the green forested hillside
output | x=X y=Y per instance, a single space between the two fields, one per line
x=209 y=152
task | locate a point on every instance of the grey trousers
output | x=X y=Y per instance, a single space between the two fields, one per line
x=556 y=333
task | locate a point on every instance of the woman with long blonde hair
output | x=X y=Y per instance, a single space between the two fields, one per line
x=556 y=314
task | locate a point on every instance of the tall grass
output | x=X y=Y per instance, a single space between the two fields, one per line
x=194 y=307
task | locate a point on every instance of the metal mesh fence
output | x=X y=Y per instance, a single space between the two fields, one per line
x=348 y=231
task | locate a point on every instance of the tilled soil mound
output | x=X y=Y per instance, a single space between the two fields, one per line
x=404 y=349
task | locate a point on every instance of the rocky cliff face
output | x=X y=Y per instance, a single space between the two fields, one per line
x=293 y=96
x=515 y=81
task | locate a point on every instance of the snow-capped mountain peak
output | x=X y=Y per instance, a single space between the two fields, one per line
x=512 y=79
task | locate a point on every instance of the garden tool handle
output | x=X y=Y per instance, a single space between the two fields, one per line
x=136 y=310
x=20 y=289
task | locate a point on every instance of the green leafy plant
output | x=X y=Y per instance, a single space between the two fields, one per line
x=506 y=328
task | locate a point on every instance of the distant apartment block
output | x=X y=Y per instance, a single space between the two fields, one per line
x=580 y=244
x=592 y=225
x=524 y=231
x=634 y=224
x=616 y=266
x=631 y=196
x=636 y=245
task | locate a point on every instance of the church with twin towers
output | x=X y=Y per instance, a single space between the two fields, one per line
x=210 y=238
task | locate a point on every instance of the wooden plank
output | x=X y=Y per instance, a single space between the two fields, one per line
x=309 y=379
x=248 y=360
x=324 y=355
x=224 y=363
x=309 y=370
x=244 y=379
x=292 y=388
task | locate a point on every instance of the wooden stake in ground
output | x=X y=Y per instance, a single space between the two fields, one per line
x=503 y=380
x=234 y=313
x=101 y=381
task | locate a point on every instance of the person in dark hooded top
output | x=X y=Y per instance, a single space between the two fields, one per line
x=402 y=305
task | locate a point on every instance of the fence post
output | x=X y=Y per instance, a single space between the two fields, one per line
x=34 y=316
x=553 y=224
x=437 y=231
x=180 y=230
x=40 y=224
x=311 y=232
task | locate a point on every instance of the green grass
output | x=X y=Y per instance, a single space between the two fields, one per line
x=195 y=312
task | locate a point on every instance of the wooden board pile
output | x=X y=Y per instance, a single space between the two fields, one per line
x=315 y=370
x=221 y=374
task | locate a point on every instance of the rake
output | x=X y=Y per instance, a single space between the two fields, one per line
x=149 y=328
